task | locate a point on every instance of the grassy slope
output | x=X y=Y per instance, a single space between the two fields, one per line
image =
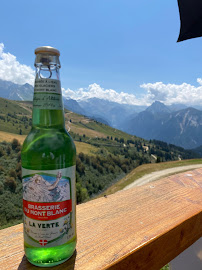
x=85 y=148
x=11 y=114
x=146 y=169
x=11 y=107
x=8 y=137
x=80 y=146
x=79 y=125
x=91 y=128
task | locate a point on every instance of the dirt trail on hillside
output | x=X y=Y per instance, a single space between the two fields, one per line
x=160 y=174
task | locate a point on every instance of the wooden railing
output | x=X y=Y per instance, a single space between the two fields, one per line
x=141 y=228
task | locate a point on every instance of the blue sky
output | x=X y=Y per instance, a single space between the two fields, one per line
x=124 y=45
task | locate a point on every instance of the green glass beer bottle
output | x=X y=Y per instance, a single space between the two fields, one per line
x=48 y=170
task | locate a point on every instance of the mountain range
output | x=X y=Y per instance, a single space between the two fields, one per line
x=182 y=128
x=175 y=124
x=111 y=112
x=14 y=91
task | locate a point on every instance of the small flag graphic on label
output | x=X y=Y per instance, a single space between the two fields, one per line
x=43 y=242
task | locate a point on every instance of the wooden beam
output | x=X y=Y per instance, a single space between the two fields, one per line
x=141 y=228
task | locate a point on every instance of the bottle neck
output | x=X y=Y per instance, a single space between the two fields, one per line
x=47 y=103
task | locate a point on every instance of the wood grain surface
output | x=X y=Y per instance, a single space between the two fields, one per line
x=141 y=228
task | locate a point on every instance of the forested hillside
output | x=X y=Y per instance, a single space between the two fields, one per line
x=10 y=183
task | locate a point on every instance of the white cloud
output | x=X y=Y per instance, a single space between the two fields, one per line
x=167 y=93
x=199 y=80
x=96 y=91
x=173 y=93
x=12 y=70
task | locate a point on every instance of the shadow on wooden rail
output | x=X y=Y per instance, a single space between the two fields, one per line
x=141 y=228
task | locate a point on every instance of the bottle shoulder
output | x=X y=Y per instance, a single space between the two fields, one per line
x=40 y=139
x=48 y=149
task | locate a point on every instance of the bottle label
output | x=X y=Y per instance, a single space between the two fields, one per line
x=49 y=206
x=47 y=94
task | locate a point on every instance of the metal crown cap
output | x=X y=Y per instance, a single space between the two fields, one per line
x=47 y=49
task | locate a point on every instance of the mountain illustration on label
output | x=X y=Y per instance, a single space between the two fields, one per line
x=46 y=188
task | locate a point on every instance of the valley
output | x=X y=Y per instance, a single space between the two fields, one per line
x=106 y=156
x=176 y=124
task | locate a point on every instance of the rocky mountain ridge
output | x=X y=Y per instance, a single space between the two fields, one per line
x=182 y=128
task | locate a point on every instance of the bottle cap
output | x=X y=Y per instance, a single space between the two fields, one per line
x=47 y=49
